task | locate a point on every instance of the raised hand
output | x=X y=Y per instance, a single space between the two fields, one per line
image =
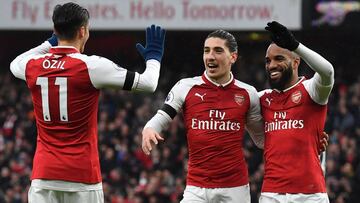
x=281 y=36
x=154 y=48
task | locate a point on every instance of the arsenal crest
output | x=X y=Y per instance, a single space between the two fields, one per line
x=296 y=97
x=239 y=99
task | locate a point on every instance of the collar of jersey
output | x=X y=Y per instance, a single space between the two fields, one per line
x=63 y=50
x=289 y=88
x=207 y=79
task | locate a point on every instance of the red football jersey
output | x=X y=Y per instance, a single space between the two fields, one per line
x=294 y=123
x=215 y=117
x=64 y=87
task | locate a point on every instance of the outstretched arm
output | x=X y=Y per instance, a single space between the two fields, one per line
x=105 y=73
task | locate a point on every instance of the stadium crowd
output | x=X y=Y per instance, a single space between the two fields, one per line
x=129 y=176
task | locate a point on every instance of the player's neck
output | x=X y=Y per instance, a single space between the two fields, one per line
x=293 y=81
x=222 y=80
x=73 y=43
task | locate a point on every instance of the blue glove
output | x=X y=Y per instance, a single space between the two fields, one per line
x=154 y=48
x=53 y=40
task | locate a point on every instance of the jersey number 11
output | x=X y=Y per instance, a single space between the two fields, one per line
x=43 y=82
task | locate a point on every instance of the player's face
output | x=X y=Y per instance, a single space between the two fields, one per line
x=218 y=59
x=279 y=64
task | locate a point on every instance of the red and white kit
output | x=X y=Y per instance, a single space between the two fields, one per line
x=294 y=122
x=215 y=117
x=64 y=86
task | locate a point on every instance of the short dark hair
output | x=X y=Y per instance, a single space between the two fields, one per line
x=68 y=18
x=228 y=37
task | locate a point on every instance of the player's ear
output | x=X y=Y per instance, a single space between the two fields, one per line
x=296 y=62
x=82 y=32
x=234 y=56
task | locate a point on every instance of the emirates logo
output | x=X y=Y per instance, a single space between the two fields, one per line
x=239 y=99
x=296 y=97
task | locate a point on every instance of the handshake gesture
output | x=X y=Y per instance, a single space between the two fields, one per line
x=154 y=48
x=281 y=36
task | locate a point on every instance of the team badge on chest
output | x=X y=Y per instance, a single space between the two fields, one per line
x=296 y=97
x=239 y=99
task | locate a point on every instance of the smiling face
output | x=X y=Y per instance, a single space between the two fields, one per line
x=281 y=66
x=218 y=59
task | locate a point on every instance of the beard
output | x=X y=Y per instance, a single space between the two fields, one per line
x=282 y=82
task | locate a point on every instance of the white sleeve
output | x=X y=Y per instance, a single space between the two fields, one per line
x=18 y=65
x=105 y=73
x=177 y=94
x=148 y=80
x=254 y=121
x=173 y=104
x=159 y=122
x=320 y=85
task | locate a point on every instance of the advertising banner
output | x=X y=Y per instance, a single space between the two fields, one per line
x=174 y=14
